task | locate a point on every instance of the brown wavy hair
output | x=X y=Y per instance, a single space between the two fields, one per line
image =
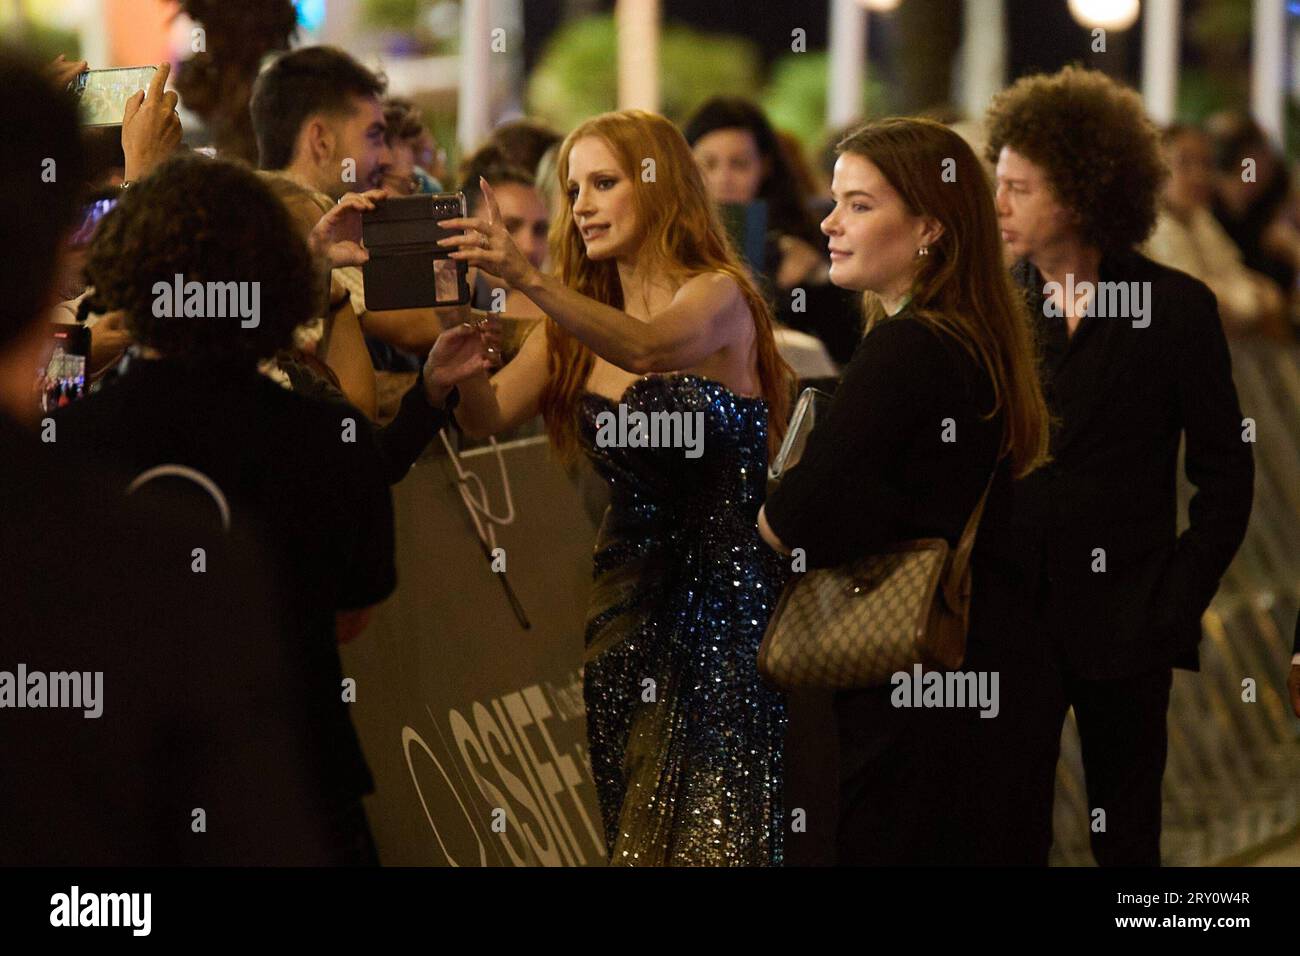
x=962 y=287
x=1092 y=137
x=679 y=227
x=208 y=220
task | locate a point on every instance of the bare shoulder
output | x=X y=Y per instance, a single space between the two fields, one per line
x=718 y=298
x=718 y=287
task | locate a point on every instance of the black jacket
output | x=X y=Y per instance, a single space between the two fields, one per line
x=904 y=450
x=1124 y=397
x=200 y=702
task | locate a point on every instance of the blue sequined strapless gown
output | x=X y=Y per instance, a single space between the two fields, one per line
x=685 y=739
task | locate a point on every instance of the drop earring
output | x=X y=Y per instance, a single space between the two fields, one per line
x=923 y=251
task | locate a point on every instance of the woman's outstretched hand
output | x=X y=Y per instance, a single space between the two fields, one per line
x=487 y=244
x=458 y=354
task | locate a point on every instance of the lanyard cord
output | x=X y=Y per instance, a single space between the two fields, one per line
x=477 y=506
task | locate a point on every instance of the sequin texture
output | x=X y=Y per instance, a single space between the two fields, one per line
x=685 y=739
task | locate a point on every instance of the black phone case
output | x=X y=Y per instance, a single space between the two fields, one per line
x=72 y=338
x=407 y=269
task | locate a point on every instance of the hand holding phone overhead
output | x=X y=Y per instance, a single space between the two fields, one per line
x=102 y=95
x=151 y=127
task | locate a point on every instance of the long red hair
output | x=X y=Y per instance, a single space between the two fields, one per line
x=680 y=229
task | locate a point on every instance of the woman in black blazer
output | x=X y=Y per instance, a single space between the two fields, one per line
x=940 y=390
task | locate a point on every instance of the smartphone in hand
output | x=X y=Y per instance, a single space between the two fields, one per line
x=63 y=380
x=407 y=268
x=102 y=94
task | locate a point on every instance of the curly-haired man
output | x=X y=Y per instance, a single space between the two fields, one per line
x=1100 y=595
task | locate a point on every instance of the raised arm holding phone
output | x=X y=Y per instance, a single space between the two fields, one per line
x=646 y=282
x=151 y=127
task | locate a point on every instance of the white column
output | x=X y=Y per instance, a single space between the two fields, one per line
x=848 y=63
x=340 y=25
x=510 y=66
x=637 y=24
x=94 y=38
x=1294 y=41
x=1160 y=42
x=1268 y=68
x=473 y=109
x=983 y=55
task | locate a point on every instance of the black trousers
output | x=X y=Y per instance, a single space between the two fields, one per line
x=1123 y=734
x=947 y=786
x=901 y=799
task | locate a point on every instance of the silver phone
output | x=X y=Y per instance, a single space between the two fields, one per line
x=811 y=406
x=102 y=94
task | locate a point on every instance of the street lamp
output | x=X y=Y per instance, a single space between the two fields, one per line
x=1106 y=14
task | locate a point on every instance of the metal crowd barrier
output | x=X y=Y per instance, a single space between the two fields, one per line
x=1232 y=782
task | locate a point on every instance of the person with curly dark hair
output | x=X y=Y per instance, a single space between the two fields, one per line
x=1098 y=153
x=304 y=476
x=196 y=699
x=1104 y=597
x=162 y=228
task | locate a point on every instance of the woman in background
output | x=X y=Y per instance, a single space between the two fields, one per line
x=1189 y=238
x=743 y=161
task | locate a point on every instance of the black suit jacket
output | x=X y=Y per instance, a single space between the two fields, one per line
x=1123 y=397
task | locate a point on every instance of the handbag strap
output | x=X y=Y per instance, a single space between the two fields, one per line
x=966 y=544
